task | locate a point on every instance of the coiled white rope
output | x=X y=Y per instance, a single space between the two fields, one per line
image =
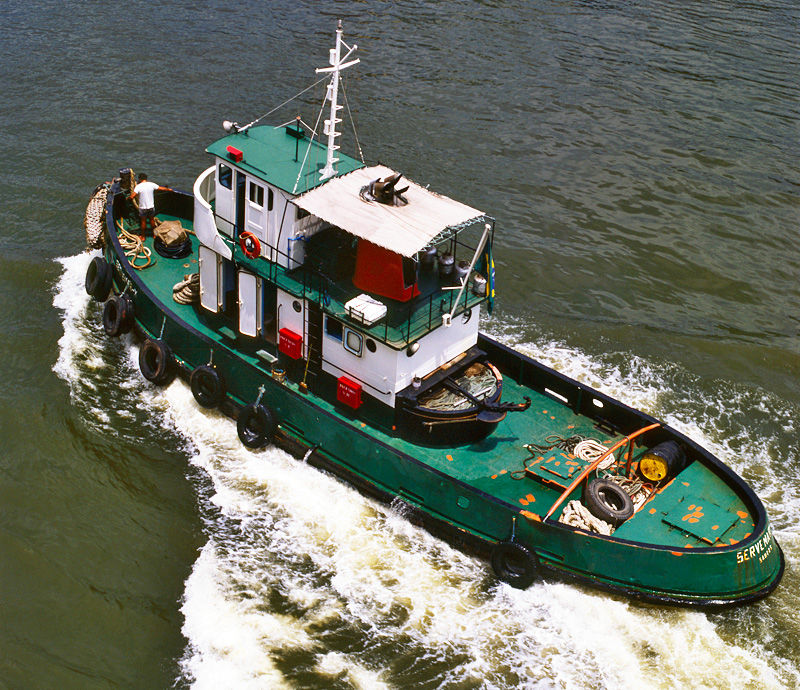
x=188 y=290
x=590 y=450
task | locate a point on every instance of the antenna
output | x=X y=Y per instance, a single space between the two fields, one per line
x=337 y=65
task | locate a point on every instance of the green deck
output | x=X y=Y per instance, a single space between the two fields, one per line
x=675 y=517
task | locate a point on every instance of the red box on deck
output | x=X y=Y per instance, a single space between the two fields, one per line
x=290 y=343
x=349 y=392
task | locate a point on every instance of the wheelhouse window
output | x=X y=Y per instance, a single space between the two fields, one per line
x=334 y=329
x=225 y=176
x=256 y=194
x=270 y=199
x=353 y=342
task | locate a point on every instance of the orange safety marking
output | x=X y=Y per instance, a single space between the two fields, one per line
x=733 y=541
x=530 y=515
x=652 y=511
x=494 y=476
x=523 y=501
x=676 y=553
x=531 y=498
x=544 y=411
x=571 y=426
x=715 y=527
x=685 y=483
x=503 y=471
x=747 y=535
x=449 y=457
x=742 y=514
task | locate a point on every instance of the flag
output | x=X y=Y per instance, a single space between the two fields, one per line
x=486 y=268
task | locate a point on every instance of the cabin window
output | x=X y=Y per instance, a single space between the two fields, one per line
x=334 y=329
x=353 y=342
x=302 y=213
x=225 y=176
x=270 y=199
x=257 y=194
x=371 y=346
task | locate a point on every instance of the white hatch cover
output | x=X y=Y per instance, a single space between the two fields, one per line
x=402 y=229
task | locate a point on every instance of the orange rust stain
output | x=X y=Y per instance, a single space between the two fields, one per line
x=685 y=483
x=571 y=426
x=689 y=546
x=531 y=498
x=558 y=462
x=503 y=471
x=494 y=476
x=544 y=411
x=747 y=535
x=449 y=457
x=523 y=501
x=652 y=511
x=715 y=527
x=691 y=507
x=742 y=514
x=733 y=541
x=676 y=553
x=531 y=516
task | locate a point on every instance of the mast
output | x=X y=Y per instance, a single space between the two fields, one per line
x=337 y=65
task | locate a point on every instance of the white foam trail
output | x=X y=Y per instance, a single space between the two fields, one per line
x=304 y=582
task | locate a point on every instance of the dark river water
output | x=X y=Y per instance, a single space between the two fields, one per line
x=641 y=159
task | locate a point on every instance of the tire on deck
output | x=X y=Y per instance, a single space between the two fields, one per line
x=608 y=501
x=515 y=564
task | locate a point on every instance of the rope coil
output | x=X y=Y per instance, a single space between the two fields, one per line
x=188 y=290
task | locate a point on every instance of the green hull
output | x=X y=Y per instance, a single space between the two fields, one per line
x=477 y=494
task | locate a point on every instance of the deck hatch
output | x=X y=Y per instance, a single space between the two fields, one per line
x=700 y=517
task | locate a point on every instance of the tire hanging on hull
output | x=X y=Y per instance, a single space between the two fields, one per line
x=256 y=426
x=157 y=362
x=208 y=386
x=515 y=564
x=98 y=279
x=118 y=315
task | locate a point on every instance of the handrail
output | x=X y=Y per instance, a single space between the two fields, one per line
x=594 y=465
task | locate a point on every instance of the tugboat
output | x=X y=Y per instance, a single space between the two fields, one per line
x=332 y=307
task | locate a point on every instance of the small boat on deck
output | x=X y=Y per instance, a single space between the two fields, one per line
x=332 y=307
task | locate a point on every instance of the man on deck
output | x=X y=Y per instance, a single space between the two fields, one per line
x=147 y=210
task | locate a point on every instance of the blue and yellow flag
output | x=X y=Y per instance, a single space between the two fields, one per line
x=486 y=268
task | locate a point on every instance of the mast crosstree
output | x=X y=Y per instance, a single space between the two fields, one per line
x=338 y=63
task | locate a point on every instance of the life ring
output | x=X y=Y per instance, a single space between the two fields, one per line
x=98 y=279
x=256 y=426
x=208 y=387
x=156 y=361
x=607 y=500
x=250 y=245
x=118 y=315
x=515 y=564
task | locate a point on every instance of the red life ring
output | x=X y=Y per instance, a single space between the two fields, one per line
x=250 y=245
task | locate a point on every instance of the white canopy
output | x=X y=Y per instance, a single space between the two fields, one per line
x=401 y=229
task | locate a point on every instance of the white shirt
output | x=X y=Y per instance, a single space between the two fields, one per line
x=145 y=191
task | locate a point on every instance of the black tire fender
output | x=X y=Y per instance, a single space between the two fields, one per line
x=607 y=500
x=157 y=362
x=98 y=279
x=515 y=564
x=118 y=315
x=208 y=386
x=256 y=425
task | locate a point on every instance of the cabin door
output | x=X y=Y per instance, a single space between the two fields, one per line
x=256 y=211
x=209 y=279
x=250 y=304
